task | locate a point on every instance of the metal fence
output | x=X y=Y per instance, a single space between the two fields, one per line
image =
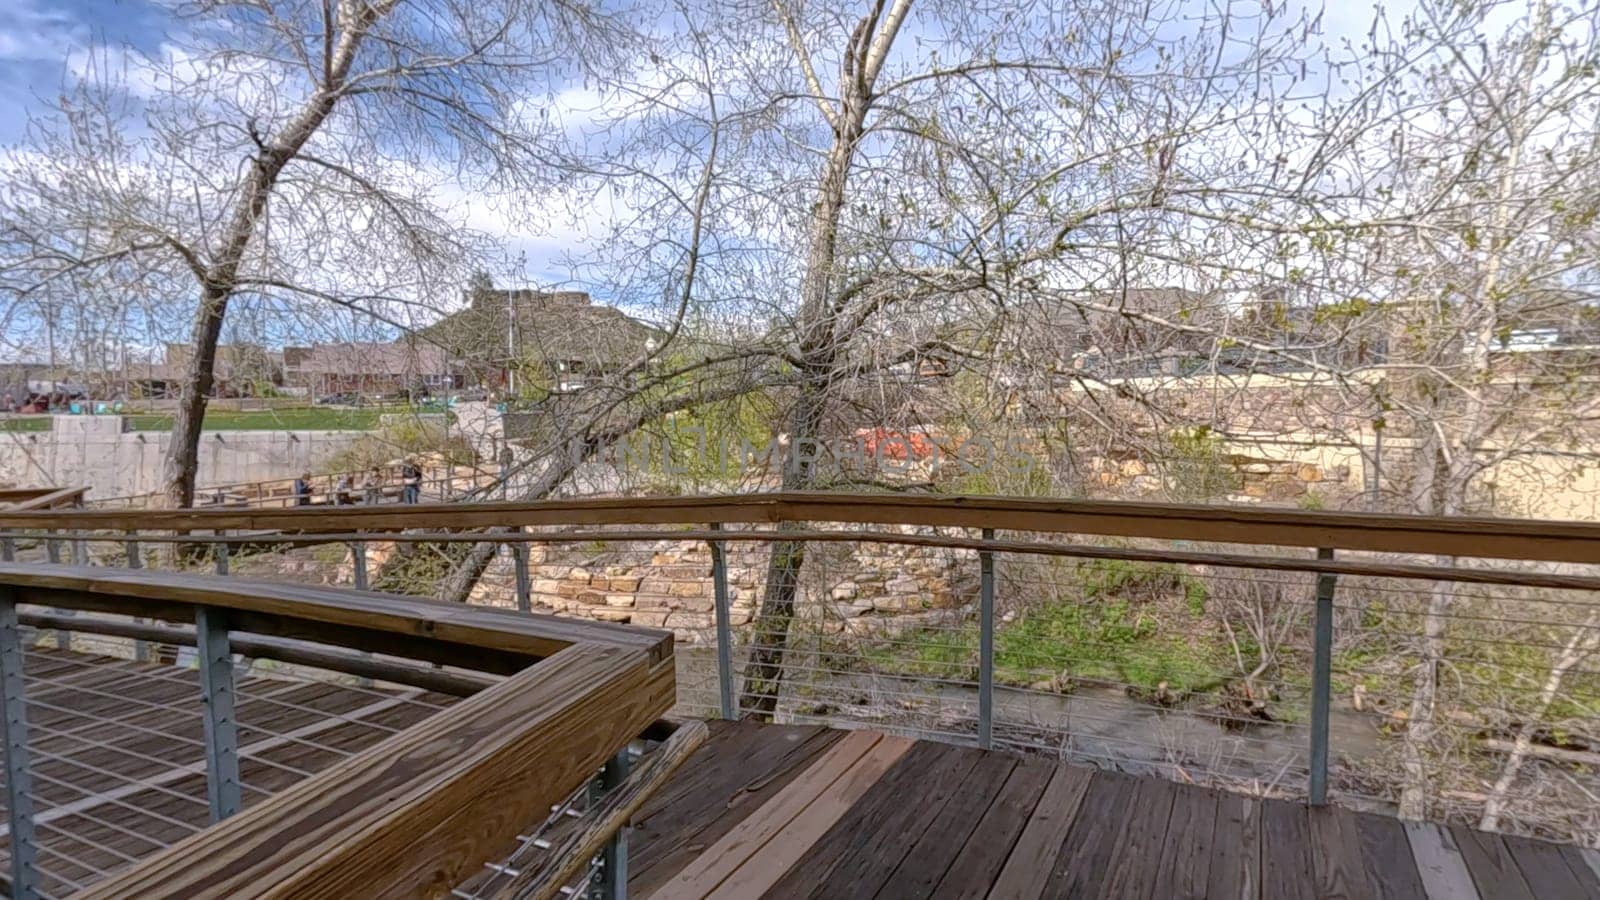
x=1462 y=688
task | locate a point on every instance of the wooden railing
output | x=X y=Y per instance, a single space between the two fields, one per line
x=1418 y=552
x=1462 y=536
x=26 y=499
x=412 y=815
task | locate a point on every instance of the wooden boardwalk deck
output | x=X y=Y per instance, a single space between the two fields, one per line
x=782 y=811
x=118 y=752
x=777 y=811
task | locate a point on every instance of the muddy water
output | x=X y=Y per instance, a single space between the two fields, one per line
x=1093 y=724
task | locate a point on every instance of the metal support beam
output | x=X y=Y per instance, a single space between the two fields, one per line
x=358 y=559
x=220 y=551
x=986 y=644
x=1321 y=683
x=519 y=562
x=216 y=698
x=8 y=547
x=141 y=649
x=611 y=880
x=19 y=775
x=52 y=548
x=719 y=584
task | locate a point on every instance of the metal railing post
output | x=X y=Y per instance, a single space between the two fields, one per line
x=1321 y=682
x=8 y=547
x=52 y=547
x=220 y=551
x=358 y=562
x=986 y=644
x=19 y=775
x=216 y=698
x=141 y=648
x=719 y=587
x=612 y=877
x=519 y=562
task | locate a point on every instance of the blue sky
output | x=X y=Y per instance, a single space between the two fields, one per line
x=41 y=41
x=37 y=38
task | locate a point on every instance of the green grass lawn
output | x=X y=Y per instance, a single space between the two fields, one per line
x=311 y=418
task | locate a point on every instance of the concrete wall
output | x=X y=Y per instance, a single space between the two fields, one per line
x=94 y=450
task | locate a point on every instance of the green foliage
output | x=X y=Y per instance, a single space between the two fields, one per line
x=1109 y=626
x=1001 y=478
x=401 y=438
x=532 y=379
x=25 y=424
x=703 y=444
x=1197 y=469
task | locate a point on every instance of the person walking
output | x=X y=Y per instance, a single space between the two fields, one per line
x=372 y=488
x=302 y=489
x=410 y=482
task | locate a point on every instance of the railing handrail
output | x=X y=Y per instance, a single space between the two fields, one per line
x=1519 y=577
x=416 y=813
x=34 y=499
x=495 y=638
x=420 y=811
x=1460 y=536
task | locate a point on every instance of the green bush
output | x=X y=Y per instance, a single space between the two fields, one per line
x=1197 y=469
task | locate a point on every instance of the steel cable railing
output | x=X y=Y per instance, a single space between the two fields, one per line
x=1283 y=673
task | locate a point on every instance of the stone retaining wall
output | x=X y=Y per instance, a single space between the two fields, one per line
x=668 y=584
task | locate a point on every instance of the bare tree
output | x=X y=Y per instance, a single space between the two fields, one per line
x=295 y=151
x=950 y=184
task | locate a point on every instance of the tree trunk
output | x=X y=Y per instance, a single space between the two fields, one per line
x=821 y=334
x=1421 y=726
x=1584 y=641
x=220 y=278
x=183 y=450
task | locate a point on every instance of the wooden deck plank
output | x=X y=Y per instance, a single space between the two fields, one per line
x=1440 y=865
x=892 y=830
x=835 y=861
x=977 y=864
x=1027 y=869
x=713 y=866
x=1286 y=867
x=1386 y=852
x=1337 y=857
x=1081 y=866
x=1144 y=834
x=925 y=865
x=1184 y=866
x=1545 y=869
x=1585 y=864
x=1489 y=860
x=786 y=851
x=785 y=827
x=729 y=784
x=1236 y=856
